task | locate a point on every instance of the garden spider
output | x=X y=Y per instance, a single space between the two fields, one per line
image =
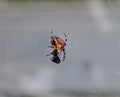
x=58 y=46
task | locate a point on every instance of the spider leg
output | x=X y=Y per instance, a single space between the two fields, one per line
x=51 y=46
x=54 y=53
x=65 y=37
x=51 y=32
x=48 y=54
x=64 y=54
x=54 y=47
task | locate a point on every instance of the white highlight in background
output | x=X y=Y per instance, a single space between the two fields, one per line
x=99 y=14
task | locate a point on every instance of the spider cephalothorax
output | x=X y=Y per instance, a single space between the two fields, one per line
x=58 y=46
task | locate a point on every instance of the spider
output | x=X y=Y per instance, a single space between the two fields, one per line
x=58 y=46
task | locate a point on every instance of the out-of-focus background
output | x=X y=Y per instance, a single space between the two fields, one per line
x=92 y=65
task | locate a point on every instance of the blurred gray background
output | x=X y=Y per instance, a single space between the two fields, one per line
x=92 y=64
